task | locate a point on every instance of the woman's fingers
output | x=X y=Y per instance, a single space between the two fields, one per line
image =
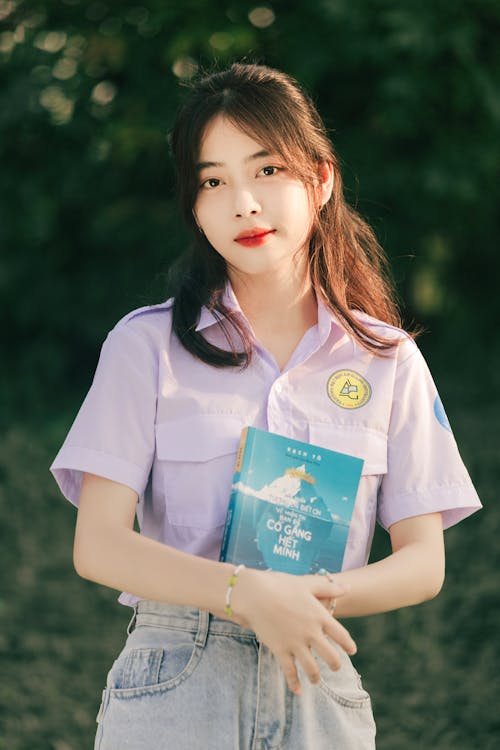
x=328 y=604
x=323 y=588
x=288 y=663
x=289 y=666
x=322 y=647
x=338 y=633
x=309 y=663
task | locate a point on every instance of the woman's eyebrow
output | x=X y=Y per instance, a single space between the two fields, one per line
x=206 y=164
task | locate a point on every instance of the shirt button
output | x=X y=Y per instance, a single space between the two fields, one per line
x=279 y=387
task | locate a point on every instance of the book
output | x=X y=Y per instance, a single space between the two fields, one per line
x=291 y=504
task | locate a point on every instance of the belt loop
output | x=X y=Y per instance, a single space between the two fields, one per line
x=203 y=621
x=133 y=619
x=104 y=703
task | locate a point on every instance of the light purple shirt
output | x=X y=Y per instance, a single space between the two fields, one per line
x=166 y=424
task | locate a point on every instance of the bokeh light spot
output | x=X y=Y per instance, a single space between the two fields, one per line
x=64 y=68
x=50 y=41
x=6 y=9
x=19 y=34
x=36 y=19
x=7 y=42
x=221 y=41
x=53 y=99
x=427 y=291
x=262 y=17
x=185 y=67
x=103 y=93
x=75 y=46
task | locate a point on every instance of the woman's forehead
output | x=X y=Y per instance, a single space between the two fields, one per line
x=222 y=135
x=224 y=140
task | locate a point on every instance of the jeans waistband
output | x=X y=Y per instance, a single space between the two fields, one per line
x=199 y=621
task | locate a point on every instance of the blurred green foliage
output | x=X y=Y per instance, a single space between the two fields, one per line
x=88 y=227
x=88 y=92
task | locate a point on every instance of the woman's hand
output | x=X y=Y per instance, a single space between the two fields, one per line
x=288 y=614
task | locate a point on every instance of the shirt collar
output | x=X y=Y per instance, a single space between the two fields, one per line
x=326 y=318
x=207 y=318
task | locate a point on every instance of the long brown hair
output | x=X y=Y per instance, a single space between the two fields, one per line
x=348 y=267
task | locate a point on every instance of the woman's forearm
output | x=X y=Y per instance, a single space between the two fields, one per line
x=125 y=560
x=412 y=574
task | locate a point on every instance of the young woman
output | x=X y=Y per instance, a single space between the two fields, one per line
x=283 y=298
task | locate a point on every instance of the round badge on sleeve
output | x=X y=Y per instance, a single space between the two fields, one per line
x=348 y=389
x=440 y=414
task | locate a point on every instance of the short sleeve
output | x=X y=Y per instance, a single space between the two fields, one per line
x=113 y=433
x=425 y=472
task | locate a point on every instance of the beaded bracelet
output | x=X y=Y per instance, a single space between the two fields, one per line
x=324 y=572
x=231 y=582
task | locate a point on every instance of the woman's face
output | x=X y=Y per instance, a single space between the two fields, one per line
x=253 y=211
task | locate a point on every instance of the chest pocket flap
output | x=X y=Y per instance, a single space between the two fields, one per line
x=363 y=442
x=196 y=459
x=198 y=438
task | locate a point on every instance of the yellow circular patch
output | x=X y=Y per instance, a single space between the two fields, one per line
x=348 y=389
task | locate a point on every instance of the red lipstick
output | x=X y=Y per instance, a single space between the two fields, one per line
x=253 y=237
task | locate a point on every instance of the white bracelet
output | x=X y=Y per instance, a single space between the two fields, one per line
x=231 y=582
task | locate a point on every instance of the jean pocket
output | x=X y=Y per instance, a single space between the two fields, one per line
x=344 y=686
x=153 y=669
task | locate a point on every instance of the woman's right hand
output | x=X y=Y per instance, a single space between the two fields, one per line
x=286 y=614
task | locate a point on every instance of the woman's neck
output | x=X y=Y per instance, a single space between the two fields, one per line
x=278 y=302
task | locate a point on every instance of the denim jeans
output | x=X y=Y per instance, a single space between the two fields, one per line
x=187 y=680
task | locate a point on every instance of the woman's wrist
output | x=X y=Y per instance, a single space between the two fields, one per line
x=219 y=593
x=239 y=594
x=331 y=603
x=232 y=581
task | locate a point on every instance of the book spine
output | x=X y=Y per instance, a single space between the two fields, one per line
x=230 y=511
x=241 y=453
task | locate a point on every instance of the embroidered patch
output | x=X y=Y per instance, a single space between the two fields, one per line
x=440 y=414
x=348 y=389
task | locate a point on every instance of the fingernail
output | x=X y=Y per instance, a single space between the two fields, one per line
x=353 y=648
x=297 y=690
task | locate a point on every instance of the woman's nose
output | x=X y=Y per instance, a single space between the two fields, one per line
x=246 y=204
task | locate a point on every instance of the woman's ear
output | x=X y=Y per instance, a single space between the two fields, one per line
x=325 y=184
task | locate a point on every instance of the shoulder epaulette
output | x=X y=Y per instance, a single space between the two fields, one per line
x=145 y=310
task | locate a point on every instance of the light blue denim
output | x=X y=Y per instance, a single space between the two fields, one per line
x=187 y=680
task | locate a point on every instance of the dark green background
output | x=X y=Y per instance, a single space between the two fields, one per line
x=88 y=228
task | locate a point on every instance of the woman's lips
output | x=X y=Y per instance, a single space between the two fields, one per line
x=254 y=237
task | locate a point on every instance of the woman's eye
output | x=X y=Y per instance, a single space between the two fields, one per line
x=269 y=171
x=212 y=182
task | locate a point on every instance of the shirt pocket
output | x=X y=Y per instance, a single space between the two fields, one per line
x=355 y=440
x=196 y=458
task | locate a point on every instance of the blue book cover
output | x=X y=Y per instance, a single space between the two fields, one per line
x=291 y=504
